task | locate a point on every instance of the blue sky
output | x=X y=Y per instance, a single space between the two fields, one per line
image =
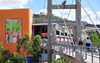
x=38 y=6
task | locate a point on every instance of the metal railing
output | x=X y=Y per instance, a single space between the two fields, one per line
x=91 y=53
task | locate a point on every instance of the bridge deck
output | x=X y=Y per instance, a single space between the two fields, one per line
x=68 y=51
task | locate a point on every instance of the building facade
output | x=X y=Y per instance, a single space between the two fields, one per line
x=14 y=23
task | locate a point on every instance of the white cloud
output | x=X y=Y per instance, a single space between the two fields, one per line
x=44 y=11
x=9 y=4
x=73 y=15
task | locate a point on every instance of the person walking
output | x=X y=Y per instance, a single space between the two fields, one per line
x=88 y=43
x=73 y=45
x=80 y=42
x=80 y=45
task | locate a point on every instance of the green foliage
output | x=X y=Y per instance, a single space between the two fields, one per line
x=61 y=61
x=33 y=48
x=1 y=48
x=94 y=37
x=36 y=50
x=19 y=41
x=7 y=57
x=24 y=43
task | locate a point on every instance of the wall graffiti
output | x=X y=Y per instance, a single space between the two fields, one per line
x=13 y=30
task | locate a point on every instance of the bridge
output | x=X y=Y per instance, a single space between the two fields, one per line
x=74 y=52
x=67 y=49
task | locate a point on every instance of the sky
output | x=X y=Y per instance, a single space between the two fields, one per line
x=41 y=6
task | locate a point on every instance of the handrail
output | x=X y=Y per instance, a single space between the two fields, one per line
x=70 y=49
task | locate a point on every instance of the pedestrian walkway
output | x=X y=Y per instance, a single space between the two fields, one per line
x=68 y=49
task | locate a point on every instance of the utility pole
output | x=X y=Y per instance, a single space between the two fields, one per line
x=77 y=6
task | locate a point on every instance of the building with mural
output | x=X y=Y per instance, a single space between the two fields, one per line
x=14 y=23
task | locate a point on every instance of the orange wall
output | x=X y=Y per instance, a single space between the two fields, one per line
x=25 y=15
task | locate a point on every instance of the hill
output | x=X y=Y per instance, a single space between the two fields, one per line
x=37 y=18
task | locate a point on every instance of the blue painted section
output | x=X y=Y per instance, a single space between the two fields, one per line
x=29 y=59
x=46 y=57
x=64 y=22
x=40 y=59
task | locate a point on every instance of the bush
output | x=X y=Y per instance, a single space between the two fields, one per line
x=36 y=49
x=61 y=61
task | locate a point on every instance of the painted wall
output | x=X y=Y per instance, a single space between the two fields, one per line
x=9 y=19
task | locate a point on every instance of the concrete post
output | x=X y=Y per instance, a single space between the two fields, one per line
x=78 y=20
x=43 y=55
x=49 y=9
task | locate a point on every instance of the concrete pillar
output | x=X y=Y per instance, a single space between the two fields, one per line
x=43 y=55
x=78 y=20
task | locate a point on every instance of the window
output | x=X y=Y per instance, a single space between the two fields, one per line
x=57 y=32
x=65 y=34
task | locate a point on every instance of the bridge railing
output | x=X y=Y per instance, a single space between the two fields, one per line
x=68 y=48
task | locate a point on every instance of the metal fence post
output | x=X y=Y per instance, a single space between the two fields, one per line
x=69 y=49
x=85 y=52
x=92 y=55
x=72 y=48
x=99 y=55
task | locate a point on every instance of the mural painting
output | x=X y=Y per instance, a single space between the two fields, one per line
x=13 y=30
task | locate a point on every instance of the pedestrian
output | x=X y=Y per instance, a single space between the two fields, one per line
x=80 y=45
x=88 y=43
x=80 y=42
x=74 y=46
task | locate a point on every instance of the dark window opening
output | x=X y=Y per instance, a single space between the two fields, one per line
x=65 y=34
x=40 y=29
x=57 y=32
x=62 y=33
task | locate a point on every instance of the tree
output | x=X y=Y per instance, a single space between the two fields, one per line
x=94 y=37
x=23 y=46
x=24 y=43
x=36 y=50
x=19 y=45
x=30 y=47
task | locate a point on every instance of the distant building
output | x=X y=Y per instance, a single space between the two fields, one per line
x=89 y=27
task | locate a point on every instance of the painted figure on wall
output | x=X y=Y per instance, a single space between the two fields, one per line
x=13 y=30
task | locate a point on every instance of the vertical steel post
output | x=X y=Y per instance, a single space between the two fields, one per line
x=85 y=52
x=91 y=55
x=99 y=55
